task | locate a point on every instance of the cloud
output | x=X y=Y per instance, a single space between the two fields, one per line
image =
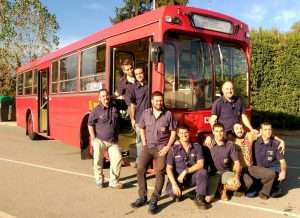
x=94 y=6
x=256 y=13
x=286 y=16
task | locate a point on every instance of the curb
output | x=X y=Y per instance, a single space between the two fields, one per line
x=9 y=123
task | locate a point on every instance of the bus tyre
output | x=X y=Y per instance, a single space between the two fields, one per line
x=31 y=134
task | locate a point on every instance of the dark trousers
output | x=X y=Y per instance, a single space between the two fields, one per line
x=266 y=177
x=145 y=159
x=246 y=180
x=198 y=179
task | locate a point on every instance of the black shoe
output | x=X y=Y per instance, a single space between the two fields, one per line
x=238 y=194
x=200 y=202
x=153 y=208
x=277 y=193
x=139 y=202
x=263 y=196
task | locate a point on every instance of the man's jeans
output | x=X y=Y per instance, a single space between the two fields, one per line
x=115 y=160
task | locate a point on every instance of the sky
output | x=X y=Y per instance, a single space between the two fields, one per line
x=80 y=18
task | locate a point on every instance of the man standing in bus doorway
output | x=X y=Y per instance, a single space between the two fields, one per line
x=139 y=101
x=229 y=109
x=158 y=132
x=126 y=80
x=103 y=130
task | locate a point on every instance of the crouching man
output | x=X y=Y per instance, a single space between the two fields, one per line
x=185 y=163
x=270 y=167
x=226 y=161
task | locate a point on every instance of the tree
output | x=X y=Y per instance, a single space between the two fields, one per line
x=296 y=27
x=27 y=31
x=133 y=8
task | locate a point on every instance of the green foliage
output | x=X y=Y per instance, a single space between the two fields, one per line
x=27 y=31
x=133 y=8
x=276 y=78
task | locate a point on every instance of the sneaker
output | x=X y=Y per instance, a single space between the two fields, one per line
x=200 y=202
x=117 y=185
x=141 y=201
x=153 y=208
x=263 y=196
x=99 y=183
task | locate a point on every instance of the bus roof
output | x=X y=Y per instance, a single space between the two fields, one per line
x=122 y=27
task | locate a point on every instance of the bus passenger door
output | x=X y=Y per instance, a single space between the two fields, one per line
x=43 y=98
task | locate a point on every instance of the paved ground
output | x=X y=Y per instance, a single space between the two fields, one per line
x=47 y=179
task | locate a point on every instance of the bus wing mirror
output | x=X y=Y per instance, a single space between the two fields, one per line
x=156 y=52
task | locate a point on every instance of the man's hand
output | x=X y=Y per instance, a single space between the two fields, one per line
x=208 y=142
x=163 y=151
x=255 y=132
x=282 y=176
x=176 y=189
x=281 y=147
x=181 y=176
x=133 y=123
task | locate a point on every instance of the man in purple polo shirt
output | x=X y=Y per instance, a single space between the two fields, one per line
x=139 y=101
x=126 y=81
x=158 y=135
x=229 y=109
x=103 y=130
x=185 y=164
x=270 y=167
x=226 y=161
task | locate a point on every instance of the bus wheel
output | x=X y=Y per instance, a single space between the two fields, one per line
x=31 y=134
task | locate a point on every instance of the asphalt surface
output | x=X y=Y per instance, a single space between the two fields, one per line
x=46 y=178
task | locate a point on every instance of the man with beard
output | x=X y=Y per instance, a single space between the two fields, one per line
x=158 y=132
x=243 y=142
x=103 y=130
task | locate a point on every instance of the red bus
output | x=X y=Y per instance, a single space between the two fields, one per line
x=187 y=53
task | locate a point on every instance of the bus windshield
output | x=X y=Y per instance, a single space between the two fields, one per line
x=230 y=64
x=188 y=81
x=188 y=72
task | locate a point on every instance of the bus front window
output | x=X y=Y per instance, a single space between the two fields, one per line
x=230 y=64
x=188 y=73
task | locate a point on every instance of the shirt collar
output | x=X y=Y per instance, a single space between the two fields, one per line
x=234 y=98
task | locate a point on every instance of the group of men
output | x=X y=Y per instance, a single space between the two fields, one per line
x=231 y=159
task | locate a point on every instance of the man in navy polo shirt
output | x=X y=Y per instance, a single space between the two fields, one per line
x=226 y=161
x=158 y=135
x=139 y=101
x=126 y=81
x=229 y=109
x=103 y=130
x=185 y=164
x=270 y=165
